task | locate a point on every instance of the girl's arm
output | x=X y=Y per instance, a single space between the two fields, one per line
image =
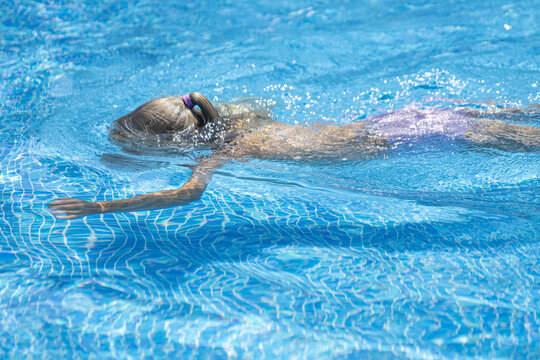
x=70 y=208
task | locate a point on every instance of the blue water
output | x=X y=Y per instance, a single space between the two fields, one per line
x=428 y=251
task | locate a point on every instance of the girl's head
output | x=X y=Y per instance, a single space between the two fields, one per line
x=167 y=115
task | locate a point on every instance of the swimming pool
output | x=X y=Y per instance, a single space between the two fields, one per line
x=430 y=251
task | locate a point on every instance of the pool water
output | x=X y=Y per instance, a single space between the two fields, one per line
x=430 y=250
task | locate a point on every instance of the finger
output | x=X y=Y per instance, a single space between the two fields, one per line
x=66 y=199
x=65 y=206
x=60 y=213
x=65 y=202
x=68 y=217
x=66 y=212
x=61 y=202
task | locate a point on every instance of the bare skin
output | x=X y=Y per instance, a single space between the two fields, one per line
x=276 y=140
x=70 y=208
x=270 y=139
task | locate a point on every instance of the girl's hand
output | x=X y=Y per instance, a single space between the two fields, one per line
x=69 y=208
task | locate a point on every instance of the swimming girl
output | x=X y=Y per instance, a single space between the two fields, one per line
x=245 y=133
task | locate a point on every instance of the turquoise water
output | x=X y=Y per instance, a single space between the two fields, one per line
x=428 y=251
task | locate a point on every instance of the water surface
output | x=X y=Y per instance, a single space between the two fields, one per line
x=429 y=251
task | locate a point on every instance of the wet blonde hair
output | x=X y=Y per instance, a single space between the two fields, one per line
x=166 y=115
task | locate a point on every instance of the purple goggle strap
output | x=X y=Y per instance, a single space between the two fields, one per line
x=187 y=101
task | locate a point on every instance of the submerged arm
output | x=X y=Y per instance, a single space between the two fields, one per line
x=69 y=208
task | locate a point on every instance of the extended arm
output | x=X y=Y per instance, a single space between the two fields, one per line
x=69 y=208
